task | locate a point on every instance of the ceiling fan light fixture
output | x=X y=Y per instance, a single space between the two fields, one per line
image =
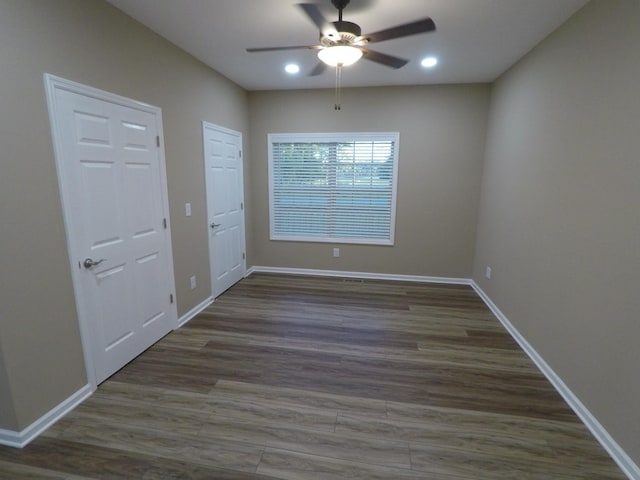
x=342 y=55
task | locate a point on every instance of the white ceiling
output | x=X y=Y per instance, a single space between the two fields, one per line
x=475 y=40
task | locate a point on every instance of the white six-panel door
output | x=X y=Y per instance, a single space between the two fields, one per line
x=225 y=207
x=113 y=185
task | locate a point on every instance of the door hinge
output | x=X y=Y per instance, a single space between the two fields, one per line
x=164 y=222
x=241 y=205
x=239 y=153
x=171 y=297
x=158 y=140
x=243 y=256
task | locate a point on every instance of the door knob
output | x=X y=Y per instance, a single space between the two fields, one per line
x=88 y=263
x=214 y=225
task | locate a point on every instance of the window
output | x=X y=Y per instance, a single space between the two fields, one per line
x=333 y=187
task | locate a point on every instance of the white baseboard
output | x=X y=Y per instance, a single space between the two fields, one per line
x=22 y=439
x=616 y=452
x=363 y=275
x=194 y=311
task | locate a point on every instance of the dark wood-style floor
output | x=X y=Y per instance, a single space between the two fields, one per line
x=300 y=378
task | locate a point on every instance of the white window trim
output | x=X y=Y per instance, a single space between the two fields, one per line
x=341 y=137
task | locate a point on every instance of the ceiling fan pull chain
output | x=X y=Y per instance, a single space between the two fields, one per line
x=338 y=78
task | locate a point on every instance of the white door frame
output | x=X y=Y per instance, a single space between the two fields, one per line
x=53 y=83
x=205 y=126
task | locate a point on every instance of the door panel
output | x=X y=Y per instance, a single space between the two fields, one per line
x=225 y=199
x=113 y=186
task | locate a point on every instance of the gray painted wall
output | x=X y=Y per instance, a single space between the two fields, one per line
x=7 y=415
x=442 y=134
x=559 y=219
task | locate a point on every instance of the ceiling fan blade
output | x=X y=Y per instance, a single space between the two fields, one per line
x=319 y=69
x=275 y=49
x=315 y=15
x=383 y=58
x=420 y=26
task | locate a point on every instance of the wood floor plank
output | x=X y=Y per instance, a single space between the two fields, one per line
x=472 y=464
x=15 y=471
x=470 y=356
x=572 y=430
x=147 y=441
x=191 y=410
x=78 y=460
x=299 y=466
x=159 y=417
x=372 y=450
x=292 y=396
x=299 y=377
x=239 y=409
x=504 y=444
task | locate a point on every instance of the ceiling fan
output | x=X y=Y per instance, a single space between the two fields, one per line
x=342 y=42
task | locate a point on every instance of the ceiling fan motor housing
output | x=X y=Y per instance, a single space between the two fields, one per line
x=348 y=32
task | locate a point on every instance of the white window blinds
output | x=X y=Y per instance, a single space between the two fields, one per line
x=333 y=187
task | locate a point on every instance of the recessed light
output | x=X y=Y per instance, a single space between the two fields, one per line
x=292 y=68
x=429 y=62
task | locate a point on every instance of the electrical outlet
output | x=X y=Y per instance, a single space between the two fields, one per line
x=487 y=272
x=336 y=252
x=187 y=209
x=193 y=282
